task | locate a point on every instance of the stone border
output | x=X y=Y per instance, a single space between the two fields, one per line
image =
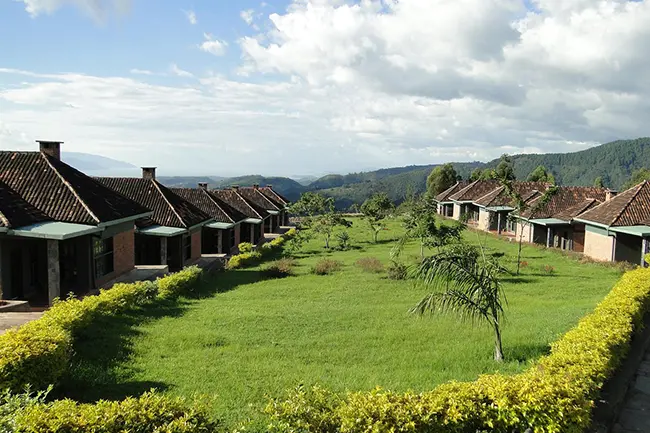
x=612 y=396
x=14 y=306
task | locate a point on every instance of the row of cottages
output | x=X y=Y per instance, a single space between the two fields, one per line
x=62 y=231
x=590 y=220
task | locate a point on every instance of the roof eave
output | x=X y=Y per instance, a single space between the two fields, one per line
x=123 y=220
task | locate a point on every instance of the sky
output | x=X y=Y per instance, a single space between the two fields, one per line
x=309 y=87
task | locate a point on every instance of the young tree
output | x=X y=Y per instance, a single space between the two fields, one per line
x=375 y=210
x=505 y=169
x=541 y=174
x=598 y=182
x=466 y=282
x=441 y=178
x=477 y=174
x=638 y=176
x=311 y=204
x=325 y=224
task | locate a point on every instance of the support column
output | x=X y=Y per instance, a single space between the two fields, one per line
x=163 y=251
x=220 y=242
x=548 y=237
x=253 y=234
x=2 y=294
x=644 y=248
x=53 y=271
x=498 y=223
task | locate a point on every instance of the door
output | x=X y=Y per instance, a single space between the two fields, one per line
x=17 y=271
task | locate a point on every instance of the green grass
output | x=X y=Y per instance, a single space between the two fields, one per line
x=247 y=339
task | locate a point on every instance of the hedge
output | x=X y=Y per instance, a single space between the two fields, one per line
x=39 y=352
x=251 y=258
x=555 y=395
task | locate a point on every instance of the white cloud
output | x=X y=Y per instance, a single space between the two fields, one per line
x=137 y=71
x=175 y=70
x=213 y=46
x=97 y=8
x=247 y=16
x=191 y=17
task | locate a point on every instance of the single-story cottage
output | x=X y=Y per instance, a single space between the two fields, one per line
x=252 y=228
x=264 y=206
x=464 y=199
x=445 y=205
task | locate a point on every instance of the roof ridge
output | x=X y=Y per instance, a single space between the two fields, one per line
x=261 y=194
x=157 y=186
x=67 y=184
x=639 y=188
x=207 y=193
x=247 y=204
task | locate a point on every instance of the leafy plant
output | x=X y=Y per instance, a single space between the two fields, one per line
x=370 y=264
x=325 y=224
x=397 y=270
x=245 y=247
x=375 y=210
x=326 y=267
x=343 y=239
x=281 y=268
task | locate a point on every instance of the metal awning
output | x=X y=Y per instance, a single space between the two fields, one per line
x=549 y=221
x=163 y=231
x=55 y=230
x=220 y=226
x=632 y=230
x=500 y=208
x=253 y=221
x=273 y=212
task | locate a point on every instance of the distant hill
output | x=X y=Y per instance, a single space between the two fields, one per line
x=188 y=181
x=96 y=165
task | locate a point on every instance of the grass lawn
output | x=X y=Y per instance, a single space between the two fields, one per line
x=246 y=338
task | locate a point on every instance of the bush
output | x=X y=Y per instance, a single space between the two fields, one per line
x=150 y=412
x=548 y=269
x=555 y=395
x=244 y=260
x=343 y=239
x=280 y=268
x=326 y=267
x=11 y=405
x=245 y=247
x=397 y=271
x=179 y=283
x=370 y=264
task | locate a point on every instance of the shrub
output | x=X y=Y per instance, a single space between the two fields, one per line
x=548 y=269
x=370 y=264
x=150 y=412
x=244 y=260
x=555 y=395
x=179 y=283
x=397 y=271
x=280 y=268
x=343 y=239
x=245 y=247
x=11 y=405
x=326 y=267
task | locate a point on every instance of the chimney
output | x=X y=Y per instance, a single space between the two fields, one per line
x=52 y=148
x=149 y=173
x=203 y=186
x=256 y=185
x=269 y=186
x=610 y=194
x=235 y=187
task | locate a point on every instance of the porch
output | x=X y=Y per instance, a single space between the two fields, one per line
x=171 y=246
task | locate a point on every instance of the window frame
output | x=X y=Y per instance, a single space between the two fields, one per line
x=187 y=246
x=104 y=257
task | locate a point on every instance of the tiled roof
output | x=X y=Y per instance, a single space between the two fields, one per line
x=443 y=196
x=235 y=200
x=16 y=212
x=565 y=198
x=168 y=208
x=499 y=197
x=577 y=209
x=257 y=198
x=210 y=204
x=274 y=197
x=269 y=191
x=475 y=190
x=629 y=208
x=62 y=192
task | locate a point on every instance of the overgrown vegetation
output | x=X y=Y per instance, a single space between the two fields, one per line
x=326 y=267
x=370 y=264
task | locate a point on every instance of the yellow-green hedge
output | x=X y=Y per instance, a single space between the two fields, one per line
x=555 y=395
x=149 y=413
x=251 y=258
x=38 y=353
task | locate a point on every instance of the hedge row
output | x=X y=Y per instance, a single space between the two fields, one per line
x=39 y=352
x=555 y=395
x=250 y=258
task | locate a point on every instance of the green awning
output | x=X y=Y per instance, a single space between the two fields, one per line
x=253 y=221
x=55 y=230
x=500 y=208
x=220 y=226
x=632 y=230
x=273 y=212
x=163 y=231
x=549 y=221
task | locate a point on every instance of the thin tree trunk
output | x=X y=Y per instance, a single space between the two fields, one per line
x=498 y=348
x=521 y=238
x=327 y=241
x=376 y=235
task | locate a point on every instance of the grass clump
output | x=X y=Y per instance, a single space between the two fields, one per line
x=397 y=271
x=370 y=264
x=326 y=267
x=281 y=268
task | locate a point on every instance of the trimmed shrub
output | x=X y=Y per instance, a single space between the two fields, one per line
x=245 y=247
x=151 y=412
x=555 y=395
x=397 y=271
x=244 y=260
x=326 y=267
x=280 y=268
x=370 y=264
x=179 y=283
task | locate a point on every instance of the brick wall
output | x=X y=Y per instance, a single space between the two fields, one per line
x=598 y=246
x=484 y=220
x=123 y=256
x=196 y=244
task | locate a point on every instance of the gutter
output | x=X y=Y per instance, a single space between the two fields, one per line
x=123 y=220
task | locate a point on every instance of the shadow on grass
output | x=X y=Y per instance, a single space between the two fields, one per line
x=519 y=280
x=100 y=369
x=525 y=352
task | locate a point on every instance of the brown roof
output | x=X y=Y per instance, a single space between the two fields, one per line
x=16 y=212
x=629 y=208
x=499 y=196
x=236 y=201
x=279 y=201
x=61 y=192
x=443 y=196
x=577 y=209
x=210 y=204
x=257 y=198
x=565 y=200
x=168 y=208
x=475 y=190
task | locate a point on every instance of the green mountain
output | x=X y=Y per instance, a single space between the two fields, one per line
x=285 y=186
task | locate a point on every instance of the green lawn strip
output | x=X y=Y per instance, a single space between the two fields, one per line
x=248 y=338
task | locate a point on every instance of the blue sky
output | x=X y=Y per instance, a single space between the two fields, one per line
x=320 y=86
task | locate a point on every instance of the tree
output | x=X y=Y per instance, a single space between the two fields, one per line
x=505 y=169
x=598 y=182
x=375 y=210
x=326 y=223
x=311 y=204
x=638 y=176
x=466 y=282
x=540 y=174
x=441 y=178
x=477 y=174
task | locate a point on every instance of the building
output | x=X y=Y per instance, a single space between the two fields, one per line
x=445 y=205
x=264 y=206
x=619 y=229
x=280 y=201
x=554 y=223
x=252 y=228
x=172 y=234
x=217 y=236
x=464 y=199
x=60 y=231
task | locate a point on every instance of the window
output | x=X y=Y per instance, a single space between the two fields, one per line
x=103 y=255
x=511 y=225
x=187 y=246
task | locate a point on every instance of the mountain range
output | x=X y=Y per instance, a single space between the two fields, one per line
x=614 y=162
